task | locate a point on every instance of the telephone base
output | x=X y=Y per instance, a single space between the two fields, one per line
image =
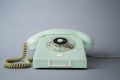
x=59 y=64
x=48 y=54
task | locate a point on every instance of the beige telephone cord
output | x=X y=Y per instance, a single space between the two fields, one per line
x=9 y=63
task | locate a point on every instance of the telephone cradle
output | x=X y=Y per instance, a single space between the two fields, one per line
x=54 y=48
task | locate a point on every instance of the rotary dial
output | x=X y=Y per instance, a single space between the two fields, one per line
x=60 y=44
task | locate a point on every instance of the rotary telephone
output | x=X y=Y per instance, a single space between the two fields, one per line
x=55 y=48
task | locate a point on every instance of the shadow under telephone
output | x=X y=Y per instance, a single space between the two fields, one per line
x=55 y=48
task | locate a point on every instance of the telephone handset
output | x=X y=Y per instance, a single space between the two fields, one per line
x=55 y=48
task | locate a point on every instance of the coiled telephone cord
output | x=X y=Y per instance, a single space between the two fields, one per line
x=9 y=63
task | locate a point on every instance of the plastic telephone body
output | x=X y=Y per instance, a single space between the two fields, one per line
x=60 y=48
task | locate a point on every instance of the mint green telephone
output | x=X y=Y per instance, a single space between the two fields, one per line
x=55 y=48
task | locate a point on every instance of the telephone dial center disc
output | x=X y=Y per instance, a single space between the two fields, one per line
x=60 y=40
x=60 y=44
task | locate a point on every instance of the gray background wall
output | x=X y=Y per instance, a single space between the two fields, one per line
x=20 y=19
